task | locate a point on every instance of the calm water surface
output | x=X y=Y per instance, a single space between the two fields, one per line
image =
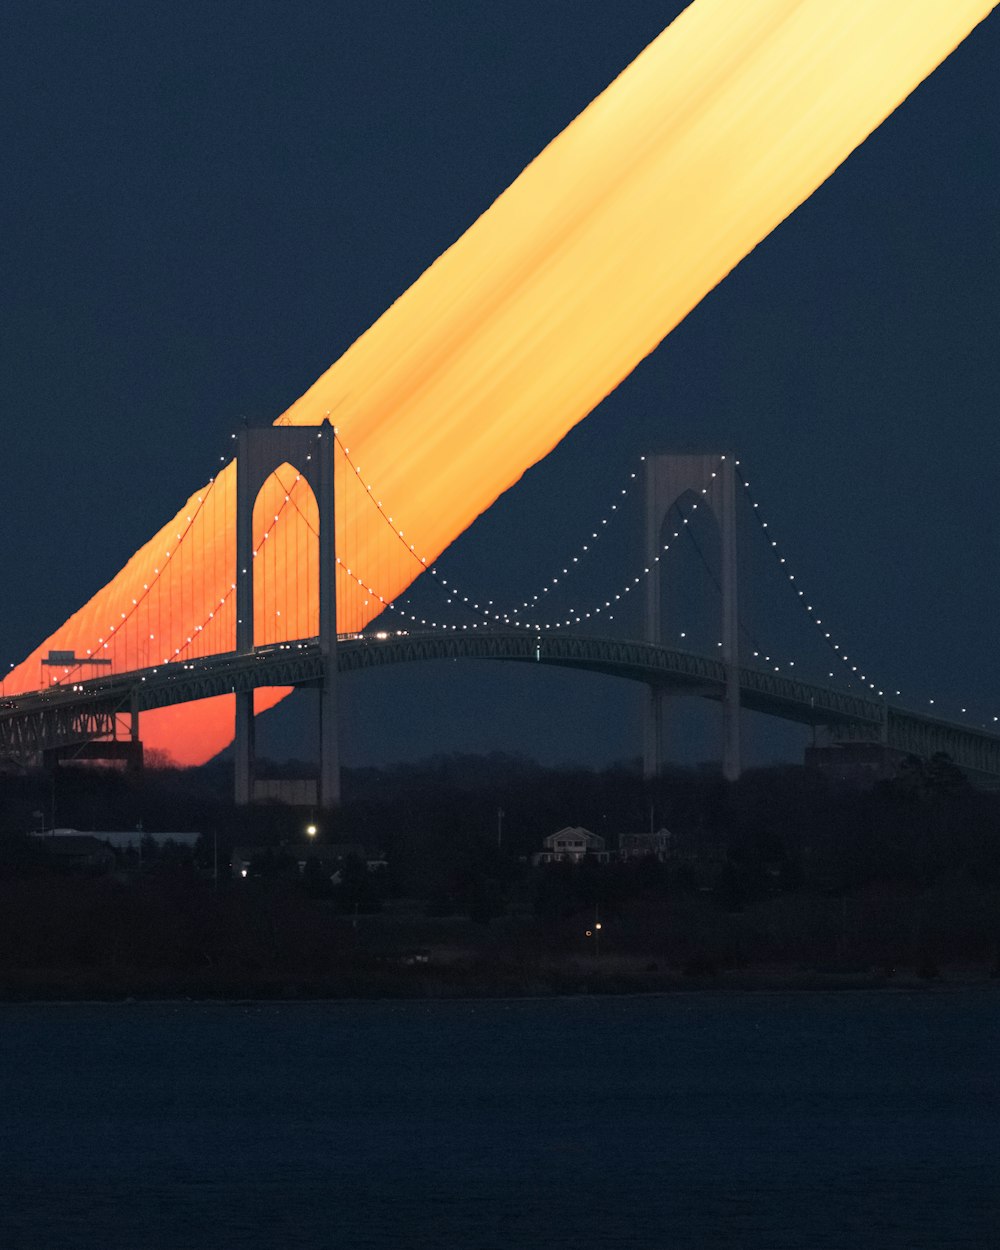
x=729 y=1120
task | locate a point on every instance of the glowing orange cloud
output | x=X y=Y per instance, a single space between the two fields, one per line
x=712 y=136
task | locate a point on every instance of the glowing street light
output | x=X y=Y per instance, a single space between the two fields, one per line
x=311 y=831
x=595 y=933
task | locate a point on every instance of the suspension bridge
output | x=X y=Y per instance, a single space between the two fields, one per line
x=96 y=705
x=609 y=238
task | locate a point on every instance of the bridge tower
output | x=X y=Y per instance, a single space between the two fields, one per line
x=669 y=478
x=259 y=452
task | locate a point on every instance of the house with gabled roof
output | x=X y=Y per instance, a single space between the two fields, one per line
x=572 y=844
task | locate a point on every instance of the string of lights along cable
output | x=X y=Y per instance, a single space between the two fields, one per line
x=984 y=718
x=579 y=557
x=521 y=615
x=606 y=608
x=854 y=670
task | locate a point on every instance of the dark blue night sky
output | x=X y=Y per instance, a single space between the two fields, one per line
x=203 y=205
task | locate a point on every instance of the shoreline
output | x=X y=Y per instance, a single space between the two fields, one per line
x=53 y=988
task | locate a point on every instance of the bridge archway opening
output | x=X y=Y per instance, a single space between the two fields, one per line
x=286 y=565
x=690 y=606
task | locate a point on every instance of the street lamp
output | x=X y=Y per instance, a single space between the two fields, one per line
x=595 y=933
x=311 y=831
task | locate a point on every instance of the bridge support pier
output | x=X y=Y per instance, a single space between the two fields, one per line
x=710 y=480
x=259 y=452
x=654 y=745
x=134 y=762
x=243 y=744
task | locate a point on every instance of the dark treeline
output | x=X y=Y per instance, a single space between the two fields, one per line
x=785 y=868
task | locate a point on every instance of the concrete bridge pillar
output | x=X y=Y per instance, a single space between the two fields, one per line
x=259 y=452
x=709 y=480
x=654 y=730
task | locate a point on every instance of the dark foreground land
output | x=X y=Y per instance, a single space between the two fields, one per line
x=783 y=880
x=138 y=942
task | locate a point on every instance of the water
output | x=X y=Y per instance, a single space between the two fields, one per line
x=723 y=1120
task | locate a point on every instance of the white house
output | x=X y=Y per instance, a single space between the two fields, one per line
x=573 y=843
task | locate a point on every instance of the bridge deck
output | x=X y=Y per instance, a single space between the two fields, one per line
x=32 y=722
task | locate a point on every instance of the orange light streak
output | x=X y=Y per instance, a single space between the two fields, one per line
x=707 y=141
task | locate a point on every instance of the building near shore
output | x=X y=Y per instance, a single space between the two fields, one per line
x=572 y=844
